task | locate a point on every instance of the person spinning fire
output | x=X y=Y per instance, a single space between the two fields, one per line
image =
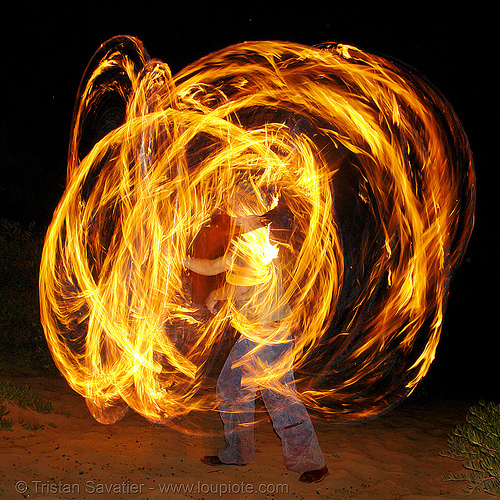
x=262 y=357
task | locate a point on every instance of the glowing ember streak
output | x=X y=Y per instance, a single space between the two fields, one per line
x=371 y=162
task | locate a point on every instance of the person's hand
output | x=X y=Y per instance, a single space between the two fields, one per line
x=211 y=302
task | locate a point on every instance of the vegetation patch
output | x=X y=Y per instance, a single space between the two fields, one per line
x=477 y=445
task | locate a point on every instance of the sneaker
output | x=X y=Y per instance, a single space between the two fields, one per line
x=214 y=460
x=314 y=476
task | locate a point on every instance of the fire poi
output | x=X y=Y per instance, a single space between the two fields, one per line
x=370 y=177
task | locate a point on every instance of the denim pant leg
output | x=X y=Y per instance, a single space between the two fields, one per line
x=237 y=407
x=291 y=421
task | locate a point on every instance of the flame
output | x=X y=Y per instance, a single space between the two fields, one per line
x=369 y=158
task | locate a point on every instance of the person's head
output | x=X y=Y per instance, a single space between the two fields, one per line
x=246 y=203
x=244 y=199
x=253 y=207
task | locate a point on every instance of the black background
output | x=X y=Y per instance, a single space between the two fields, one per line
x=46 y=49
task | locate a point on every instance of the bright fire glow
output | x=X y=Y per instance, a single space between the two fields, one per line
x=370 y=159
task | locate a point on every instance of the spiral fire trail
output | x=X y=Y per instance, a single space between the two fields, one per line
x=369 y=158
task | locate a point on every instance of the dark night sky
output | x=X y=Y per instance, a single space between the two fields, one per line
x=46 y=49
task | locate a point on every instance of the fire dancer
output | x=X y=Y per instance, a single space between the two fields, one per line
x=262 y=357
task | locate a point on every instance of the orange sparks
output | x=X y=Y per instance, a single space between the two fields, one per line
x=371 y=163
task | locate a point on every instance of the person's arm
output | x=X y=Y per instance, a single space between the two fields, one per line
x=208 y=267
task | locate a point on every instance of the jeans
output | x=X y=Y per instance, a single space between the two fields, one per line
x=236 y=393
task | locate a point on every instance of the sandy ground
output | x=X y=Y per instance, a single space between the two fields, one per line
x=393 y=457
